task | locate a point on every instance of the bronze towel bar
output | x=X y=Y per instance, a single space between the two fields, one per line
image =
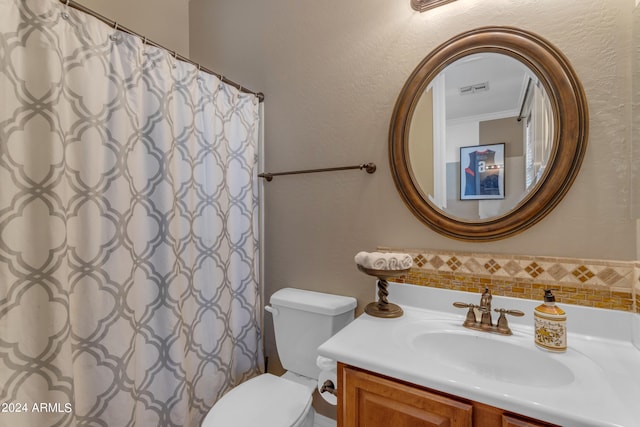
x=369 y=167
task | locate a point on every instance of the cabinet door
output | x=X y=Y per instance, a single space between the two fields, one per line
x=367 y=400
x=510 y=421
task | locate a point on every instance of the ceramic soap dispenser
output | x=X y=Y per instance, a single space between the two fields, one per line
x=550 y=324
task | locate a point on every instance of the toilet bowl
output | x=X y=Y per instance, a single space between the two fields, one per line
x=302 y=321
x=266 y=400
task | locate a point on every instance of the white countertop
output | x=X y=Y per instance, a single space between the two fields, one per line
x=605 y=390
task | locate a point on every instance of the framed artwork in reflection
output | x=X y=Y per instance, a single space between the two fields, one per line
x=482 y=170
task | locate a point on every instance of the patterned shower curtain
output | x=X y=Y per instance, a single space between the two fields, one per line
x=128 y=227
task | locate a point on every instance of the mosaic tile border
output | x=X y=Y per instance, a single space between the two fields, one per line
x=592 y=283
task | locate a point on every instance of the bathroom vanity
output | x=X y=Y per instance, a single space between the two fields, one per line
x=372 y=399
x=425 y=368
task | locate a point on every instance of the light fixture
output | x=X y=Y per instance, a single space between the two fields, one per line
x=422 y=5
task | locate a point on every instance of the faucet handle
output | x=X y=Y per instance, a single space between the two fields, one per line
x=463 y=305
x=516 y=313
x=471 y=315
x=503 y=324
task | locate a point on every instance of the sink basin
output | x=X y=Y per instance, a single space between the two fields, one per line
x=489 y=356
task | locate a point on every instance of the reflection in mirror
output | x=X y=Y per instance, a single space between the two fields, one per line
x=476 y=102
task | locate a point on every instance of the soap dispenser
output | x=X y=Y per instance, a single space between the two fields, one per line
x=550 y=324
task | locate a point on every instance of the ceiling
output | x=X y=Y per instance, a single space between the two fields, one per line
x=506 y=80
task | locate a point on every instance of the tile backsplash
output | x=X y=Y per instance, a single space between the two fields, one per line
x=592 y=283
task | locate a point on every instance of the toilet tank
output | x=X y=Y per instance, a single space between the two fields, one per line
x=303 y=320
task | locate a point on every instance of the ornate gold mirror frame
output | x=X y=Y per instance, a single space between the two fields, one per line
x=570 y=117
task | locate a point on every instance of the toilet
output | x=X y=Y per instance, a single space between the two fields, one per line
x=302 y=320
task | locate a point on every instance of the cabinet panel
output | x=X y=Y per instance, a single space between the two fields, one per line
x=489 y=416
x=509 y=421
x=367 y=400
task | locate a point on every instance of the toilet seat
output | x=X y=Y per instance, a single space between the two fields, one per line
x=266 y=401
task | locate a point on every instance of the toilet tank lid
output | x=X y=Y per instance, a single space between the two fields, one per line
x=315 y=302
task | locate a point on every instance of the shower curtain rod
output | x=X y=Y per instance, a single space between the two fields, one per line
x=524 y=100
x=78 y=6
x=369 y=167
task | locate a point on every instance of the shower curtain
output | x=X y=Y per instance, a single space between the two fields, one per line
x=128 y=227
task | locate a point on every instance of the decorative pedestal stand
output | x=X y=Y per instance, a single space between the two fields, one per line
x=382 y=307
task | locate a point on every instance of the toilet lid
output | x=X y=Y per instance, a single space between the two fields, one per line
x=266 y=401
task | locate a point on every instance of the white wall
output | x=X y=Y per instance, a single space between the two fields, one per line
x=461 y=134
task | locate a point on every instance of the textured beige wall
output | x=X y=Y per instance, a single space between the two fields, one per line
x=331 y=72
x=635 y=152
x=164 y=21
x=227 y=36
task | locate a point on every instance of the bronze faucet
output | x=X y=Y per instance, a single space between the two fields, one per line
x=486 y=323
x=485 y=307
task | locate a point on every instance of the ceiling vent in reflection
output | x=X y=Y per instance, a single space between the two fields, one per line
x=476 y=88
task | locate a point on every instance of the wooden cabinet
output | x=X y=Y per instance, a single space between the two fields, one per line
x=366 y=399
x=370 y=400
x=511 y=421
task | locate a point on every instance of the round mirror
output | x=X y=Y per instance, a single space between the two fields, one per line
x=488 y=134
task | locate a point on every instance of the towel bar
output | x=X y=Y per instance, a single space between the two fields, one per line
x=369 y=167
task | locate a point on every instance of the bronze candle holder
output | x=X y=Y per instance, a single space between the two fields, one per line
x=382 y=307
